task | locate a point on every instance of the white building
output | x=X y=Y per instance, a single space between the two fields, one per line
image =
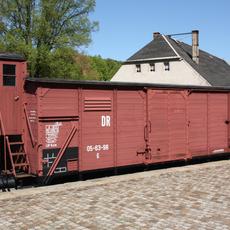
x=167 y=61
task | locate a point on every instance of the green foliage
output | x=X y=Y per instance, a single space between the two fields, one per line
x=105 y=68
x=86 y=70
x=96 y=68
x=63 y=64
x=47 y=32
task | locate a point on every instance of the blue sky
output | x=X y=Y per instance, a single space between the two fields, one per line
x=127 y=25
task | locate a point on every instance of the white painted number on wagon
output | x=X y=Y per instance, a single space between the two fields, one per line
x=91 y=148
x=105 y=121
x=52 y=134
x=98 y=155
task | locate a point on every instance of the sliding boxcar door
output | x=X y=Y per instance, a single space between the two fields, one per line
x=197 y=115
x=159 y=127
x=217 y=117
x=168 y=132
x=130 y=126
x=177 y=125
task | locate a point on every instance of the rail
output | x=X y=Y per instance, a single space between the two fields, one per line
x=60 y=154
x=29 y=126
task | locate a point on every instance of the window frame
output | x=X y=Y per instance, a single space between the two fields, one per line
x=138 y=68
x=152 y=67
x=9 y=75
x=167 y=66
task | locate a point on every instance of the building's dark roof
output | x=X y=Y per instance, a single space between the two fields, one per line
x=213 y=69
x=157 y=48
x=11 y=56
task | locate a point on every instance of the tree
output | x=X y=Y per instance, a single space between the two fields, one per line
x=87 y=72
x=43 y=29
x=105 y=68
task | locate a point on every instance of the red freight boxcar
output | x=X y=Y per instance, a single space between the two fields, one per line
x=81 y=126
x=56 y=127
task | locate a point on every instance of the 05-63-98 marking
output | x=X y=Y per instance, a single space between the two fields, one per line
x=91 y=148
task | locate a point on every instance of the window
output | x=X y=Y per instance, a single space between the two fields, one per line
x=138 y=68
x=152 y=67
x=166 y=66
x=9 y=75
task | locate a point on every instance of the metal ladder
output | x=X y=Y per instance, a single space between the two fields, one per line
x=18 y=157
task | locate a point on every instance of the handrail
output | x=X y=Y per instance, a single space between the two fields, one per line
x=60 y=154
x=29 y=126
x=3 y=132
x=2 y=125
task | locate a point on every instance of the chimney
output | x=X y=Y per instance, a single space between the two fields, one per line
x=195 y=46
x=155 y=35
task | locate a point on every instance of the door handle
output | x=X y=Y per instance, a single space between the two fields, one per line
x=16 y=98
x=150 y=127
x=145 y=133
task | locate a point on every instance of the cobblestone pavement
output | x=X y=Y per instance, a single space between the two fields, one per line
x=191 y=197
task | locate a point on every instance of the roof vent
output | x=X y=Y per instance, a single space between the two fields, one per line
x=195 y=46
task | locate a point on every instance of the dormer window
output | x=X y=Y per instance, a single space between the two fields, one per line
x=138 y=68
x=167 y=67
x=9 y=75
x=152 y=67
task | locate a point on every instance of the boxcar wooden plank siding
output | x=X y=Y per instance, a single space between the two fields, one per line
x=177 y=126
x=158 y=116
x=116 y=126
x=97 y=130
x=56 y=103
x=217 y=115
x=11 y=97
x=197 y=110
x=130 y=127
x=31 y=107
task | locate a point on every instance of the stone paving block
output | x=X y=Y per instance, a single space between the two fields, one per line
x=194 y=197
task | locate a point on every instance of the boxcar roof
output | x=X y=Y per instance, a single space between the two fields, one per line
x=11 y=56
x=41 y=82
